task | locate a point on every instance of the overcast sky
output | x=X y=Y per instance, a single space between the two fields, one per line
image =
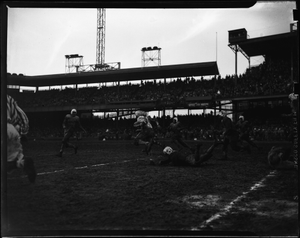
x=39 y=38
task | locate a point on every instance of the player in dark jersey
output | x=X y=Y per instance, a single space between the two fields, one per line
x=231 y=137
x=156 y=130
x=175 y=132
x=243 y=127
x=185 y=157
x=71 y=125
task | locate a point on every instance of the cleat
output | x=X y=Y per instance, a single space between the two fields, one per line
x=29 y=169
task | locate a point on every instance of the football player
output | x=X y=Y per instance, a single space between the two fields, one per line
x=146 y=134
x=17 y=125
x=231 y=137
x=185 y=157
x=71 y=125
x=280 y=158
x=175 y=132
x=243 y=127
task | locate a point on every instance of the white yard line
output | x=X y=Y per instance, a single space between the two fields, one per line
x=83 y=167
x=53 y=172
x=227 y=208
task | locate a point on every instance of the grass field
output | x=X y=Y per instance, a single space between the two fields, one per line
x=109 y=187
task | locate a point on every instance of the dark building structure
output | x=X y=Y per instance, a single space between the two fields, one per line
x=282 y=46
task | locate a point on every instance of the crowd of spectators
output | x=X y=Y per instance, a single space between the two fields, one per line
x=272 y=78
x=199 y=127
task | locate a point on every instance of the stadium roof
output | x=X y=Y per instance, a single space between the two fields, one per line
x=157 y=72
x=269 y=45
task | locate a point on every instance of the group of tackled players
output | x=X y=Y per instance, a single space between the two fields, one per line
x=236 y=135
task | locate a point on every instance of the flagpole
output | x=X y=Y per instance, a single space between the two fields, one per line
x=216 y=46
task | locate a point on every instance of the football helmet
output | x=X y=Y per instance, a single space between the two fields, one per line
x=141 y=113
x=141 y=119
x=168 y=150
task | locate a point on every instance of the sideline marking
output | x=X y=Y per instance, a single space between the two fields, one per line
x=227 y=208
x=55 y=171
x=83 y=167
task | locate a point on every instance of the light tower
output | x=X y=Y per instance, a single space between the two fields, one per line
x=151 y=55
x=73 y=62
x=100 y=44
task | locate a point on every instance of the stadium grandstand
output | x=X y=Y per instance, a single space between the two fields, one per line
x=260 y=93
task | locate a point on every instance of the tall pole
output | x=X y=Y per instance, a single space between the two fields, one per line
x=236 y=51
x=100 y=44
x=214 y=94
x=216 y=46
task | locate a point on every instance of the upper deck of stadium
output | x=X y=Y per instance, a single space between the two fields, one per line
x=273 y=45
x=143 y=73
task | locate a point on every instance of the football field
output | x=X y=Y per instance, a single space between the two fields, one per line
x=109 y=187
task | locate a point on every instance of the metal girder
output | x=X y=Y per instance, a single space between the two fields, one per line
x=237 y=48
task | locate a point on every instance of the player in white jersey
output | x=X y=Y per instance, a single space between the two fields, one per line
x=17 y=125
x=146 y=133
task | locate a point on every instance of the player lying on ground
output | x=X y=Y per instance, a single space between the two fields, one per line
x=146 y=134
x=185 y=157
x=71 y=125
x=280 y=158
x=17 y=125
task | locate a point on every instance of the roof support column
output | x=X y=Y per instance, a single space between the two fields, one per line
x=235 y=77
x=236 y=50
